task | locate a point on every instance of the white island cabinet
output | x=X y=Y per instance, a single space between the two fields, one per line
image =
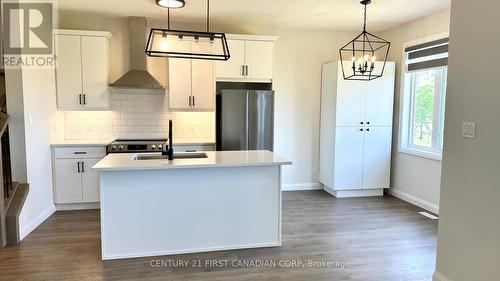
x=228 y=200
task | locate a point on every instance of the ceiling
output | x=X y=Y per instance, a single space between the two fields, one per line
x=341 y=15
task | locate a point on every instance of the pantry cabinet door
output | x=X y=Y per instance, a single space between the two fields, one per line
x=377 y=157
x=348 y=158
x=380 y=98
x=350 y=101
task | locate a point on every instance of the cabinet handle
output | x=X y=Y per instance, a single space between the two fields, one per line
x=368 y=123
x=361 y=130
x=194 y=101
x=84 y=99
x=78 y=164
x=83 y=167
x=367 y=130
x=361 y=123
x=80 y=97
x=242 y=70
x=80 y=152
x=189 y=99
x=246 y=70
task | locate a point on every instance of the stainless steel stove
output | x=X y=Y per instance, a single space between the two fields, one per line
x=131 y=146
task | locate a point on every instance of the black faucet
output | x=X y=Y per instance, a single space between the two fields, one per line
x=170 y=147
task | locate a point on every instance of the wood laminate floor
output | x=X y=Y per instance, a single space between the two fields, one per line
x=380 y=239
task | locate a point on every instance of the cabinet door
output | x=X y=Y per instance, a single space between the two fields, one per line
x=380 y=98
x=90 y=181
x=95 y=71
x=350 y=101
x=232 y=68
x=348 y=158
x=259 y=59
x=68 y=71
x=377 y=157
x=202 y=79
x=68 y=181
x=179 y=83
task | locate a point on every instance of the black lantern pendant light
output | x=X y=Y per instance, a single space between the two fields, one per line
x=364 y=58
x=186 y=44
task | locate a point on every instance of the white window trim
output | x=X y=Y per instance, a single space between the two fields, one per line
x=403 y=96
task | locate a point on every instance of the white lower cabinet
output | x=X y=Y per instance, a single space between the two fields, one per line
x=74 y=179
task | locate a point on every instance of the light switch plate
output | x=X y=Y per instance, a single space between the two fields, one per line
x=469 y=130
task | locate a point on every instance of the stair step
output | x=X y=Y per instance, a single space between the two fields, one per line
x=13 y=212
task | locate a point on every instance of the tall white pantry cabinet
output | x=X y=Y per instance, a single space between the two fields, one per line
x=356 y=132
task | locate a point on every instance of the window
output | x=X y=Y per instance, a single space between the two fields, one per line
x=424 y=94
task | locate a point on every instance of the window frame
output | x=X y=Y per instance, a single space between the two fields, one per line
x=405 y=114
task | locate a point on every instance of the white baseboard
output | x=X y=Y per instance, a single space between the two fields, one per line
x=424 y=204
x=302 y=186
x=439 y=277
x=34 y=223
x=354 y=193
x=77 y=206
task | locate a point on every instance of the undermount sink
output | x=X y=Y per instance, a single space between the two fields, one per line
x=187 y=155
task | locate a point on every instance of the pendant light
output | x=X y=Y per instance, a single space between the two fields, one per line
x=364 y=57
x=187 y=44
x=173 y=4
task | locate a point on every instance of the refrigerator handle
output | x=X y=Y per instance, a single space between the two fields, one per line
x=247 y=118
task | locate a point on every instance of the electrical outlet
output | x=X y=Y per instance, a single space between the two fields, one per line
x=469 y=130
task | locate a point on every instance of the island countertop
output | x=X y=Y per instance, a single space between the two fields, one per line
x=126 y=161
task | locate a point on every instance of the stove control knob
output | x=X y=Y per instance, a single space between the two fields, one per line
x=153 y=147
x=160 y=147
x=113 y=148
x=121 y=147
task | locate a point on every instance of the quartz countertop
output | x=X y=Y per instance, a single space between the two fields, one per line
x=126 y=161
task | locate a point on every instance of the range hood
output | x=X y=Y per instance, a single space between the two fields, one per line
x=138 y=77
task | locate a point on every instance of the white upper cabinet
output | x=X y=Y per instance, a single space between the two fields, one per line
x=259 y=60
x=252 y=59
x=366 y=102
x=68 y=70
x=350 y=102
x=233 y=67
x=192 y=82
x=380 y=98
x=82 y=61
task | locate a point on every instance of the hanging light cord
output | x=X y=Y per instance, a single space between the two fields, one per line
x=168 y=18
x=364 y=26
x=208 y=15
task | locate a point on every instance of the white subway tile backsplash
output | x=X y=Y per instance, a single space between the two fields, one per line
x=137 y=116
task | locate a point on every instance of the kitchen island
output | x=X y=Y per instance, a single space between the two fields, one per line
x=152 y=206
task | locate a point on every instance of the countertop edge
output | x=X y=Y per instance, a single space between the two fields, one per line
x=189 y=166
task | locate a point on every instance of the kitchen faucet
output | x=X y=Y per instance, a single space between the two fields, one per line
x=170 y=146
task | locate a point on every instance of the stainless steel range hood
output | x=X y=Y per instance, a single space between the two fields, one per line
x=138 y=77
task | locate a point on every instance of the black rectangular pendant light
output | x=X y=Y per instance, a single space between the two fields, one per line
x=187 y=44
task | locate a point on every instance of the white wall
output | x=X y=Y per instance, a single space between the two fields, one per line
x=40 y=128
x=414 y=178
x=469 y=223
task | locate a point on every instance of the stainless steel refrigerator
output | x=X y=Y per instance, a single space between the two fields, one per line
x=245 y=120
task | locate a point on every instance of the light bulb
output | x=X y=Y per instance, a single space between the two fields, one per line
x=374 y=58
x=163 y=44
x=366 y=57
x=353 y=59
